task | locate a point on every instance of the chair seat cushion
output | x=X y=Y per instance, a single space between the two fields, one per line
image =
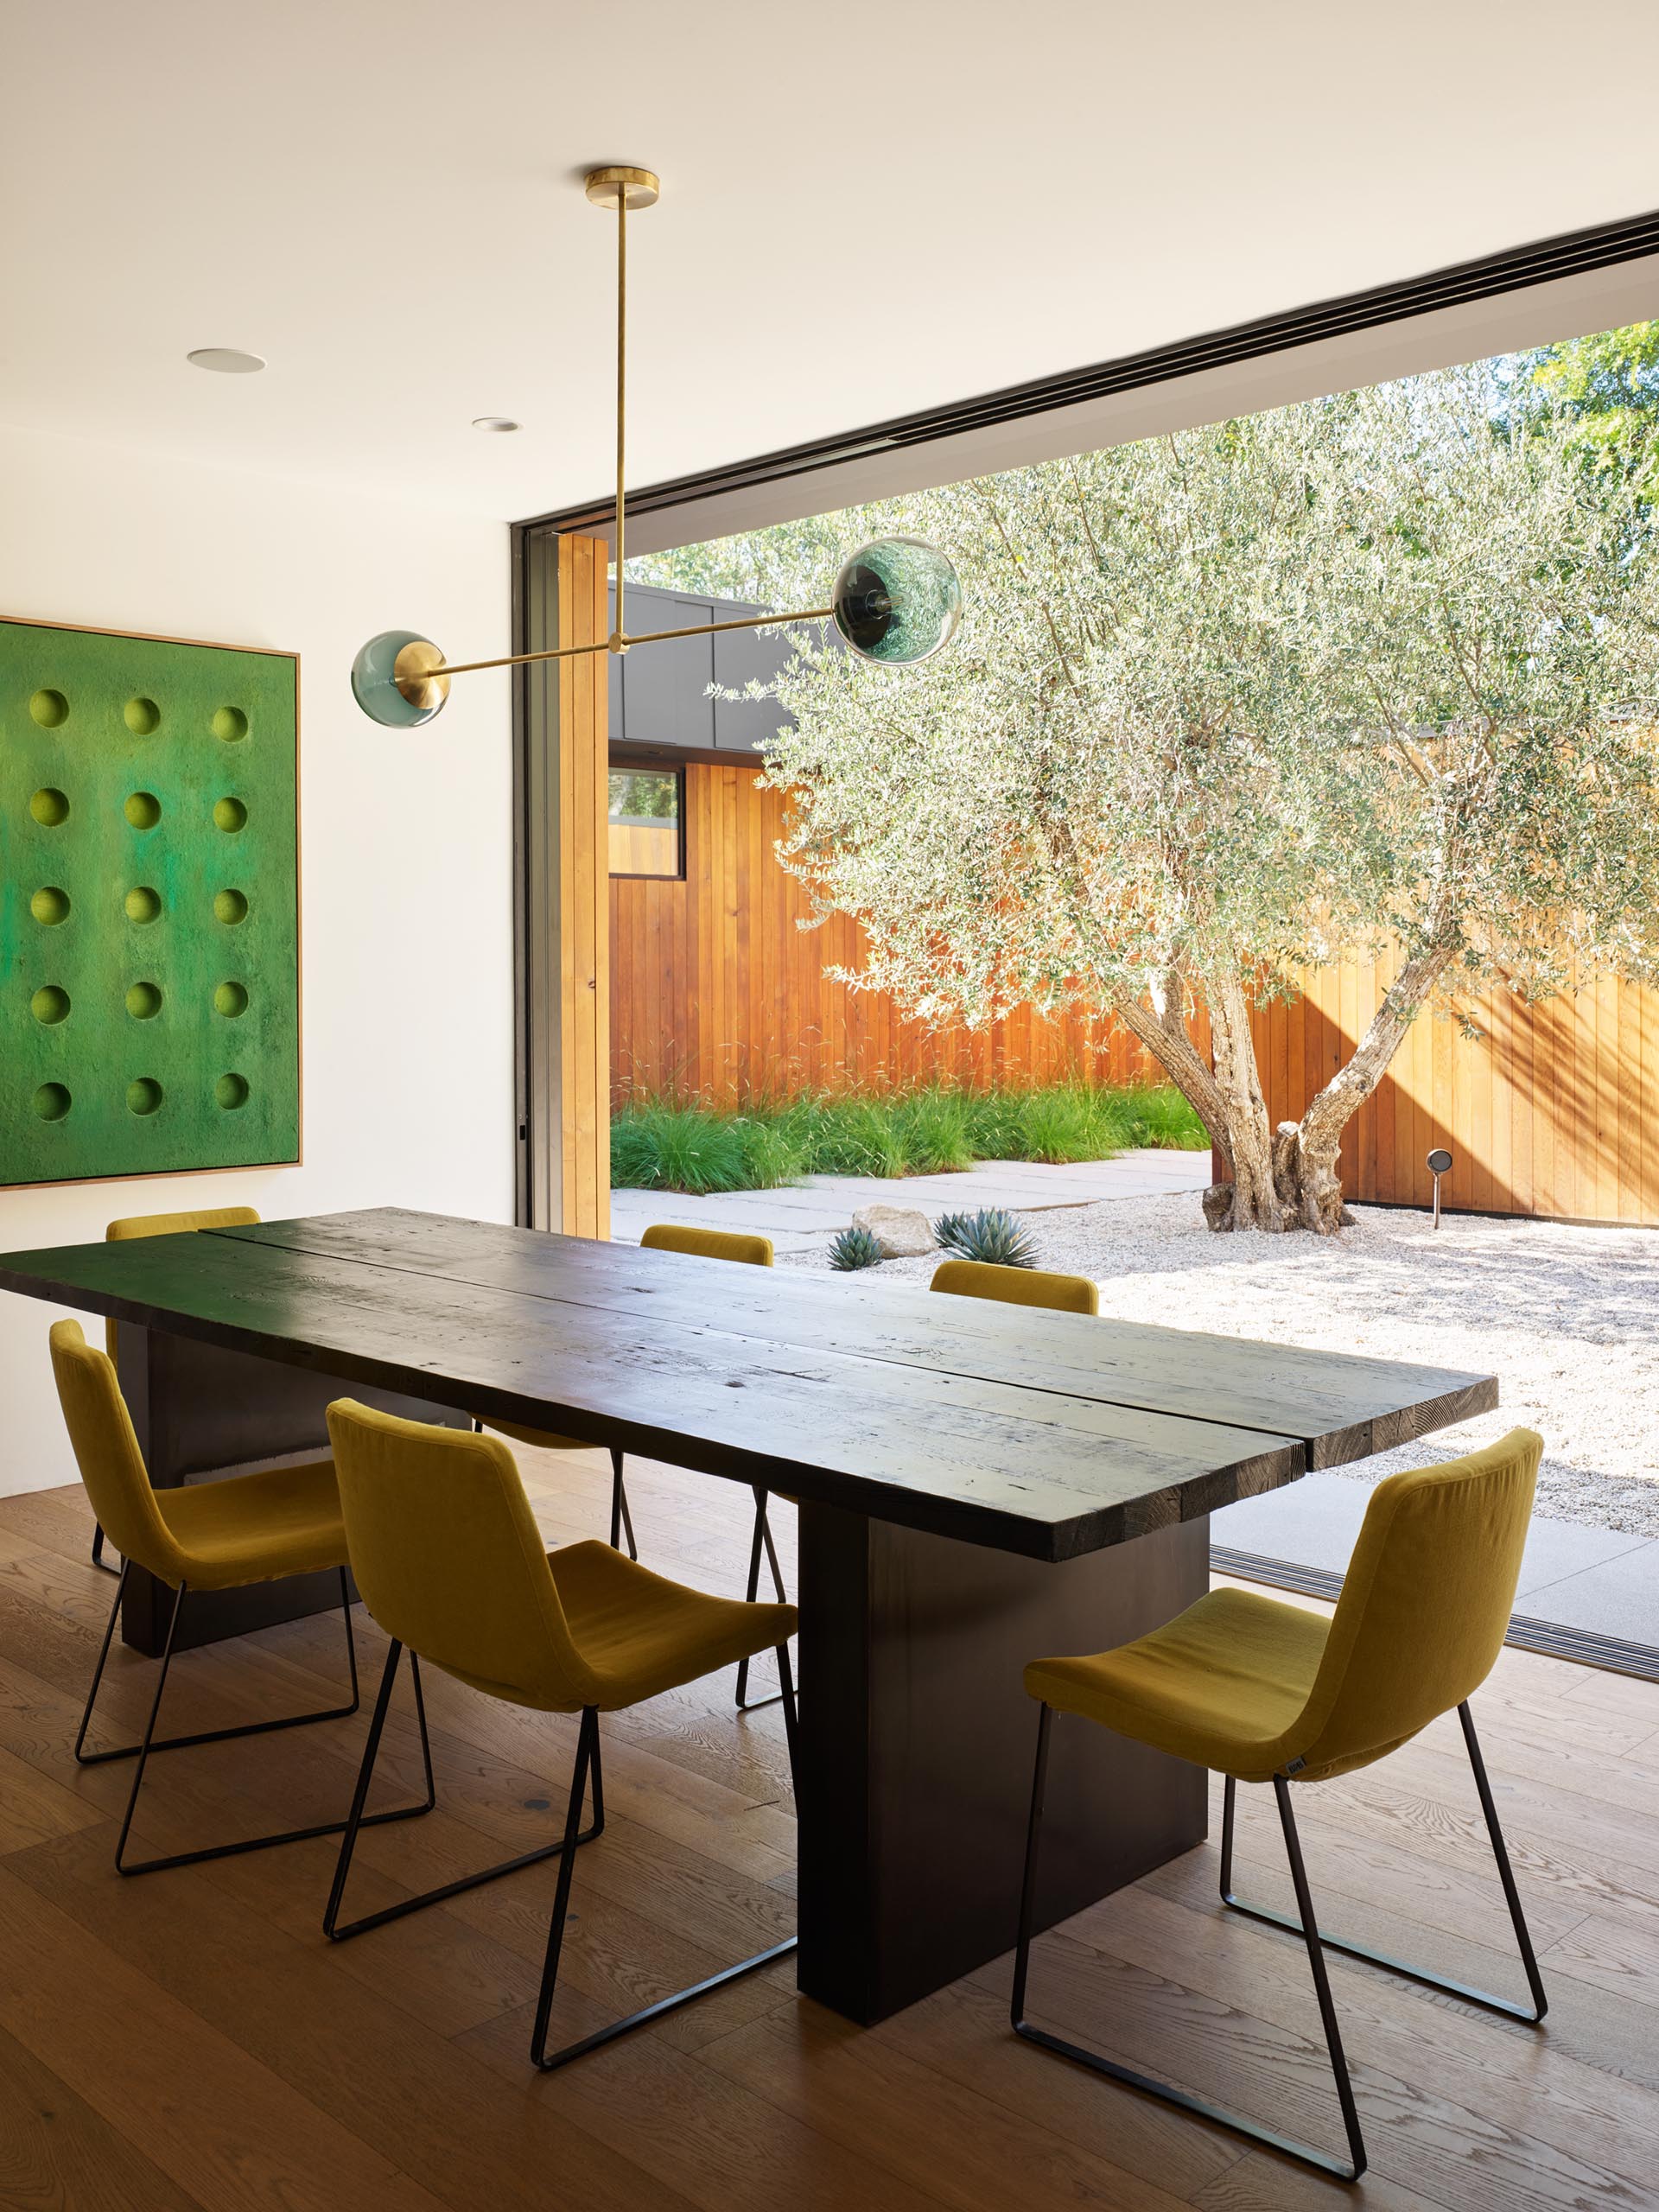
x=257 y=1528
x=642 y=1634
x=1225 y=1684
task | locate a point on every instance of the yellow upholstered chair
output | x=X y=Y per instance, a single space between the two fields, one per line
x=216 y=1535
x=450 y=1563
x=1263 y=1692
x=1016 y=1286
x=161 y=1224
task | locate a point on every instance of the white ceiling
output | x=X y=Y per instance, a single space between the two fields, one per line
x=864 y=210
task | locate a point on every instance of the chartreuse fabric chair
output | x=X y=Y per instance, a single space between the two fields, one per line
x=161 y=1224
x=752 y=1252
x=216 y=1535
x=1267 y=1693
x=450 y=1563
x=1016 y=1286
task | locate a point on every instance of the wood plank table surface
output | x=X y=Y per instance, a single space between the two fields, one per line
x=979 y=1486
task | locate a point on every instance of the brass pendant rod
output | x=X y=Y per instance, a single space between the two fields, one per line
x=616 y=645
x=621 y=393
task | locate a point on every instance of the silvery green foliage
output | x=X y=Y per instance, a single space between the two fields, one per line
x=1377 y=673
x=992 y=1237
x=852 y=1249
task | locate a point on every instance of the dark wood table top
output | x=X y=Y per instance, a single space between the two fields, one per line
x=1048 y=1434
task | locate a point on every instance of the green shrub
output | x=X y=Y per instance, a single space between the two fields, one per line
x=669 y=1143
x=856 y=1136
x=1065 y=1124
x=1161 y=1119
x=855 y=1247
x=992 y=1237
x=935 y=1130
x=994 y=1124
x=773 y=1152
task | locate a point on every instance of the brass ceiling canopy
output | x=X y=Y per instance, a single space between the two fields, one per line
x=643 y=187
x=895 y=601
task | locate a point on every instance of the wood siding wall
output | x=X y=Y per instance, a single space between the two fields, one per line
x=716 y=991
x=1546 y=1109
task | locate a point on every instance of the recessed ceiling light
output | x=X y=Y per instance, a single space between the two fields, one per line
x=226 y=360
x=494 y=423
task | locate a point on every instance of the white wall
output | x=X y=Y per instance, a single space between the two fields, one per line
x=406 y=836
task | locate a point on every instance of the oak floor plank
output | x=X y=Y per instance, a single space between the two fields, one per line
x=56 y=2150
x=50 y=1520
x=920 y=2124
x=706 y=2136
x=1600 y=2030
x=961 y=2033
x=359 y=2064
x=1477 y=2099
x=125 y=2042
x=1260 y=2182
x=1620 y=1959
x=34 y=1806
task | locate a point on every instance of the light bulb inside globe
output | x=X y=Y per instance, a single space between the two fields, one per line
x=393 y=682
x=897 y=600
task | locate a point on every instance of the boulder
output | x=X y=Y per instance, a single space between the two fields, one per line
x=903 y=1232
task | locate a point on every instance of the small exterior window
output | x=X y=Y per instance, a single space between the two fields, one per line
x=646 y=815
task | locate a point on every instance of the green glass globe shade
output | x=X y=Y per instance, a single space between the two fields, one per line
x=896 y=600
x=375 y=674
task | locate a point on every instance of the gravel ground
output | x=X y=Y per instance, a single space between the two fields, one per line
x=1568 y=1319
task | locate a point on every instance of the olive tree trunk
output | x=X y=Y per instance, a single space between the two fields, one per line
x=1288 y=1176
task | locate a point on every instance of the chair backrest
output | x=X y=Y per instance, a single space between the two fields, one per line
x=1425 y=1606
x=170 y=1224
x=447 y=1555
x=106 y=1452
x=707 y=1243
x=1016 y=1286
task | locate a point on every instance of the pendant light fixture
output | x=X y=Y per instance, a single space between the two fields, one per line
x=895 y=601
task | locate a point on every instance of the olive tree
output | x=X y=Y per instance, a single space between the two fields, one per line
x=1375 y=676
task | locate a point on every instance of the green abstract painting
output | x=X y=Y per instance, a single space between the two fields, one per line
x=149 y=921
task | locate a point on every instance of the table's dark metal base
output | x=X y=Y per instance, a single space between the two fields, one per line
x=917 y=1740
x=200 y=1411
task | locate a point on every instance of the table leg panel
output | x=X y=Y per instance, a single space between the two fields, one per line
x=917 y=1740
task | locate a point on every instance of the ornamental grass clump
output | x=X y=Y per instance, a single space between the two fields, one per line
x=670 y=1142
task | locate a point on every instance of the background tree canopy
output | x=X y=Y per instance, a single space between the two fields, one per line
x=1374 y=675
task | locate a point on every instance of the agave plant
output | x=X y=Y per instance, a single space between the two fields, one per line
x=992 y=1236
x=854 y=1248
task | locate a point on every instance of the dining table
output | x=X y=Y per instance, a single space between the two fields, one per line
x=979 y=1485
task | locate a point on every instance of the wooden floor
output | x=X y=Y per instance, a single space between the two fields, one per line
x=189 y=2040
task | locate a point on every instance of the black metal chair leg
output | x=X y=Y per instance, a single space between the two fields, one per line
x=357 y=1819
x=98 y=1559
x=148 y=1744
x=586 y=1749
x=1466 y=1992
x=84 y=1757
x=621 y=1519
x=1321 y=1985
x=762 y=1536
x=1165 y=2092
